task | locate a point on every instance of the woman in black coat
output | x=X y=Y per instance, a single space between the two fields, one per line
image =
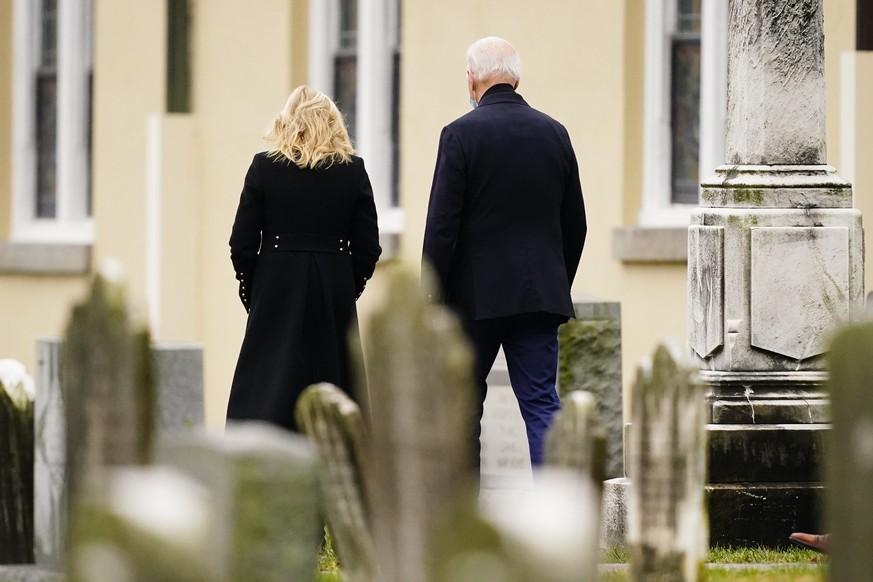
x=303 y=244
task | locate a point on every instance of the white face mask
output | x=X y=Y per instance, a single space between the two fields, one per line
x=474 y=104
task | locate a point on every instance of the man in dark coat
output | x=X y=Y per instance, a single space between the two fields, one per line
x=504 y=233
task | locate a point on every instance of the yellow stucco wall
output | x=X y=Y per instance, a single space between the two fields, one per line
x=5 y=116
x=857 y=83
x=32 y=308
x=129 y=85
x=839 y=29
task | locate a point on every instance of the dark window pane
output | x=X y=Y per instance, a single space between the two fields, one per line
x=49 y=34
x=345 y=81
x=46 y=145
x=688 y=16
x=47 y=111
x=685 y=119
x=348 y=24
x=346 y=88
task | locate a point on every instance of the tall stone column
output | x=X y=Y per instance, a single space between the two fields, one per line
x=775 y=262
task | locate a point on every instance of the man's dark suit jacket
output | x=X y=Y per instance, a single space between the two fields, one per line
x=506 y=221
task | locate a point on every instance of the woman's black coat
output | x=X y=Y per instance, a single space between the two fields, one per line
x=303 y=244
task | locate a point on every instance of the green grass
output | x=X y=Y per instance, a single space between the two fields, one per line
x=722 y=555
x=759 y=555
x=791 y=564
x=328 y=562
x=794 y=573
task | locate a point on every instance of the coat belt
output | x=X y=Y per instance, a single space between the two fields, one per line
x=313 y=243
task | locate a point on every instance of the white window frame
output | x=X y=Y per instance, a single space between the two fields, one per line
x=75 y=37
x=658 y=210
x=377 y=42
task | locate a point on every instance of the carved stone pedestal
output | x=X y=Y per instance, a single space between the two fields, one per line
x=775 y=264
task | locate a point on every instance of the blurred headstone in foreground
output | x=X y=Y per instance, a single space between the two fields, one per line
x=334 y=423
x=420 y=372
x=667 y=536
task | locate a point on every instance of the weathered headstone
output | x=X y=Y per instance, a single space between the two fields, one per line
x=179 y=382
x=334 y=423
x=420 y=389
x=179 y=377
x=109 y=396
x=849 y=455
x=505 y=453
x=576 y=439
x=775 y=262
x=263 y=489
x=16 y=464
x=49 y=487
x=589 y=359
x=667 y=537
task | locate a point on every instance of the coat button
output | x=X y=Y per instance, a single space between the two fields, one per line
x=275 y=246
x=277 y=237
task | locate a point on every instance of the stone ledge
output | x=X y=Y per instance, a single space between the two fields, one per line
x=638 y=244
x=44 y=258
x=771 y=411
x=589 y=306
x=765 y=453
x=740 y=514
x=29 y=573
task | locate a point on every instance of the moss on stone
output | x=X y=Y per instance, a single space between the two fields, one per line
x=274 y=504
x=750 y=196
x=587 y=350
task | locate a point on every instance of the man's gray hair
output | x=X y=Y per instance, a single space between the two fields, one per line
x=493 y=58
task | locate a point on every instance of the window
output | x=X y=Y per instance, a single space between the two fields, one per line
x=685 y=103
x=345 y=85
x=52 y=121
x=355 y=57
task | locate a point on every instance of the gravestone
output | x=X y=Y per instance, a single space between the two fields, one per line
x=334 y=423
x=420 y=389
x=589 y=359
x=775 y=262
x=849 y=455
x=16 y=464
x=505 y=454
x=108 y=387
x=576 y=439
x=263 y=499
x=178 y=372
x=179 y=381
x=49 y=488
x=667 y=537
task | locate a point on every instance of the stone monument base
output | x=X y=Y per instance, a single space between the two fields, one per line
x=740 y=514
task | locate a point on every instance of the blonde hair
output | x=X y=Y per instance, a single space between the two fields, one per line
x=309 y=131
